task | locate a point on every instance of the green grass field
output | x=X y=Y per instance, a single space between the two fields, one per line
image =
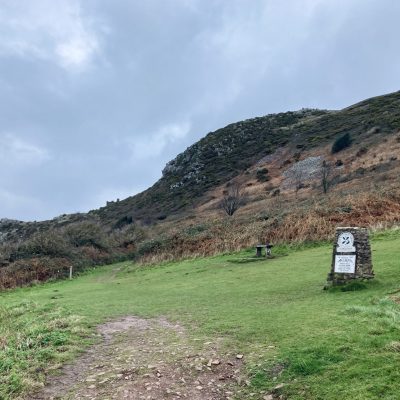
x=330 y=344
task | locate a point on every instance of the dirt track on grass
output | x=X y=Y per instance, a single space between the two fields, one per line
x=148 y=359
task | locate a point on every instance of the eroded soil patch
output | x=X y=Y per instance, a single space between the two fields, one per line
x=147 y=359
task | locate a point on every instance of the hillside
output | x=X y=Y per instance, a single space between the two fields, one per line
x=276 y=161
x=233 y=150
x=212 y=161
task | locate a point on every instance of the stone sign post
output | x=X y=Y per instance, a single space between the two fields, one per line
x=351 y=256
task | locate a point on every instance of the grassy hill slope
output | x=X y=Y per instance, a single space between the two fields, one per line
x=320 y=344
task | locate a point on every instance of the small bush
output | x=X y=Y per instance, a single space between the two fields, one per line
x=360 y=171
x=341 y=143
x=195 y=230
x=361 y=151
x=86 y=234
x=129 y=236
x=297 y=156
x=48 y=243
x=90 y=255
x=150 y=246
x=125 y=220
x=276 y=192
x=262 y=175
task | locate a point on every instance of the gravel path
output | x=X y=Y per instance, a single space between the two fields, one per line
x=147 y=359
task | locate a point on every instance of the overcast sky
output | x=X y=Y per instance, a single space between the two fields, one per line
x=97 y=95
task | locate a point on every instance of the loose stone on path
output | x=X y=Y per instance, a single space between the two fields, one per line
x=146 y=359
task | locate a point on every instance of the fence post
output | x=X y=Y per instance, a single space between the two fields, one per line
x=70 y=272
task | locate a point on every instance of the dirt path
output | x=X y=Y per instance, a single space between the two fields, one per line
x=147 y=359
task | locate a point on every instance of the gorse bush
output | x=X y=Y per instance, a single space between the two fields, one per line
x=27 y=271
x=123 y=221
x=8 y=253
x=150 y=246
x=128 y=237
x=262 y=175
x=86 y=234
x=341 y=143
x=195 y=230
x=49 y=254
x=51 y=244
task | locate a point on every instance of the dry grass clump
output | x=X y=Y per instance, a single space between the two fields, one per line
x=394 y=346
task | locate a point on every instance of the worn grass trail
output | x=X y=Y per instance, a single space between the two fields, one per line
x=320 y=344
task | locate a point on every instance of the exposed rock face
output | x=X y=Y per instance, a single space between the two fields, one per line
x=309 y=166
x=362 y=252
x=221 y=154
x=304 y=170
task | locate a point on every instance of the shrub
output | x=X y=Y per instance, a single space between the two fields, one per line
x=128 y=237
x=296 y=156
x=150 y=246
x=360 y=171
x=49 y=243
x=24 y=272
x=361 y=151
x=195 y=230
x=341 y=143
x=276 y=192
x=262 y=175
x=86 y=234
x=90 y=255
x=125 y=220
x=8 y=253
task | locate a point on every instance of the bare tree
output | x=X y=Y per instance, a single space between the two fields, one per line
x=232 y=200
x=325 y=175
x=298 y=177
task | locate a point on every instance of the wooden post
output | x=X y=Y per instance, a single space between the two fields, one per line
x=70 y=272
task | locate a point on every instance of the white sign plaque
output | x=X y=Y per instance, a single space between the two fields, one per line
x=345 y=243
x=345 y=264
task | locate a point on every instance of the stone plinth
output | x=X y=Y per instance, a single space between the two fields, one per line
x=351 y=256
